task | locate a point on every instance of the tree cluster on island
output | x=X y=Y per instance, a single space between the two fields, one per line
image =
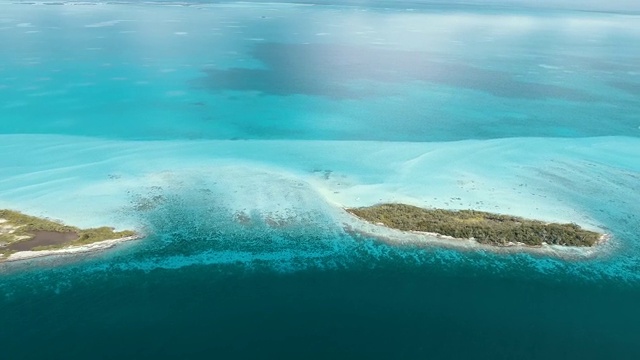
x=484 y=227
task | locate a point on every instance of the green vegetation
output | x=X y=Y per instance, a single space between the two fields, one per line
x=89 y=236
x=6 y=238
x=28 y=223
x=19 y=227
x=484 y=227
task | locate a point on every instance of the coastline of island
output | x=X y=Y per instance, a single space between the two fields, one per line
x=25 y=237
x=407 y=224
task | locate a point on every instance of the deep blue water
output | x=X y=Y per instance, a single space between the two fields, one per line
x=203 y=287
x=393 y=310
x=234 y=108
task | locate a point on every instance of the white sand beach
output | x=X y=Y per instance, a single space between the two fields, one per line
x=71 y=250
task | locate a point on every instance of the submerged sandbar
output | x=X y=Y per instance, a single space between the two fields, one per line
x=26 y=234
x=483 y=227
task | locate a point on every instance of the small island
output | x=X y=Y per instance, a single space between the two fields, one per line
x=34 y=237
x=483 y=227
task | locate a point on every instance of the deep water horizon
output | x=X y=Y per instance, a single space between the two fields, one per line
x=233 y=133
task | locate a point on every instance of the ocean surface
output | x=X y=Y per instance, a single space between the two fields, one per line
x=233 y=134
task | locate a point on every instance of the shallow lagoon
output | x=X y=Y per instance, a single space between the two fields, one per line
x=295 y=110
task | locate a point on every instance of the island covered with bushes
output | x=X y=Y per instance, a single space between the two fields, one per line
x=24 y=233
x=483 y=227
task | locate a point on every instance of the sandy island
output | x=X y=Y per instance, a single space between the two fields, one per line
x=25 y=237
x=400 y=224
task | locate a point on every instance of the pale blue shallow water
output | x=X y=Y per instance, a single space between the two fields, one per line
x=254 y=107
x=304 y=72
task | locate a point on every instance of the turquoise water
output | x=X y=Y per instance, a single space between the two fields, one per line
x=284 y=113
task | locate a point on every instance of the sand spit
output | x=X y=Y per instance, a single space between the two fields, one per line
x=71 y=250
